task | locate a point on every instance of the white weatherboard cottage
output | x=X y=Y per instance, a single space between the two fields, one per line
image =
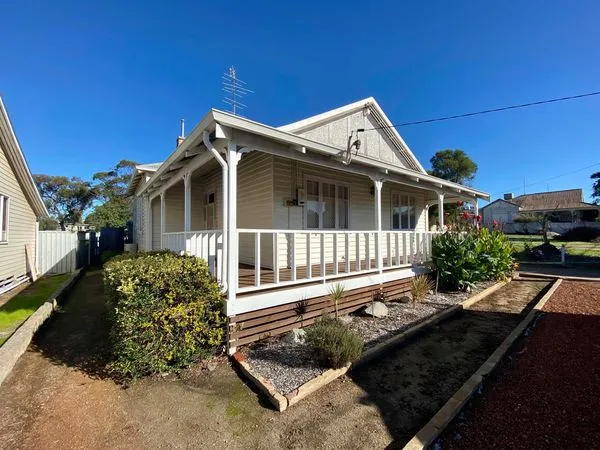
x=282 y=213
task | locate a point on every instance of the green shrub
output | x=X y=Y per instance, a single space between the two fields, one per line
x=463 y=259
x=583 y=234
x=456 y=260
x=495 y=254
x=420 y=287
x=333 y=343
x=165 y=310
x=108 y=254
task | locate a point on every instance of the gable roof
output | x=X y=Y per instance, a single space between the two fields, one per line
x=499 y=200
x=18 y=163
x=379 y=117
x=140 y=171
x=554 y=200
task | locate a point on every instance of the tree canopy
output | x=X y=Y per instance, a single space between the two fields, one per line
x=104 y=198
x=596 y=187
x=66 y=198
x=453 y=165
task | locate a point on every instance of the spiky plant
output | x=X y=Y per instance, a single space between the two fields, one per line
x=336 y=292
x=420 y=287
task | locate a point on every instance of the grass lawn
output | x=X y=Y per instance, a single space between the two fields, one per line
x=20 y=307
x=573 y=248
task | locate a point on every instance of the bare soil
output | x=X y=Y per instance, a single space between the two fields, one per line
x=545 y=394
x=59 y=394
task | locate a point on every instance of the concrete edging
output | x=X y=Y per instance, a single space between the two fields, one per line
x=282 y=402
x=17 y=344
x=432 y=429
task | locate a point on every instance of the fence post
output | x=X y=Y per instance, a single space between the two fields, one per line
x=563 y=253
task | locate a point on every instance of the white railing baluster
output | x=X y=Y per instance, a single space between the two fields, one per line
x=412 y=247
x=357 y=245
x=308 y=258
x=347 y=251
x=323 y=271
x=368 y=250
x=388 y=236
x=276 y=258
x=335 y=254
x=293 y=257
x=257 y=259
x=397 y=243
x=404 y=252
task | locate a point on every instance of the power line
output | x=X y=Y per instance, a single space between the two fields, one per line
x=552 y=178
x=487 y=111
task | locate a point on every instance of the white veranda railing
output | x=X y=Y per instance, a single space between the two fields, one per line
x=205 y=244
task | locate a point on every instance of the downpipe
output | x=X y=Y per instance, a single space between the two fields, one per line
x=224 y=171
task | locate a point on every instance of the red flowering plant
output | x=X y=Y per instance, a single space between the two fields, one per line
x=467 y=253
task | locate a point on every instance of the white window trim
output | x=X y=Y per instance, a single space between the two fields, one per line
x=337 y=206
x=4 y=204
x=417 y=215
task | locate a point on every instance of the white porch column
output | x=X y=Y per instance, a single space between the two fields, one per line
x=163 y=215
x=378 y=183
x=441 y=210
x=147 y=237
x=427 y=217
x=233 y=158
x=187 y=202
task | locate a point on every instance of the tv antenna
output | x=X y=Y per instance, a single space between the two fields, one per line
x=236 y=89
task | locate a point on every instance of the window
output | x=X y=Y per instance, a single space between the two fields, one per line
x=4 y=204
x=403 y=212
x=327 y=205
x=210 y=216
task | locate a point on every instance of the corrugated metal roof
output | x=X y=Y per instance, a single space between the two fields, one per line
x=542 y=201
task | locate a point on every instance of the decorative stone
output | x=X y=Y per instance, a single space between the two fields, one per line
x=346 y=320
x=376 y=309
x=296 y=336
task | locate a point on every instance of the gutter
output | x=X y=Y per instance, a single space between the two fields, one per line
x=224 y=175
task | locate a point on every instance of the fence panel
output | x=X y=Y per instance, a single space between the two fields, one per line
x=57 y=251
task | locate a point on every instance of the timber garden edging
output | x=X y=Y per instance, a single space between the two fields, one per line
x=281 y=402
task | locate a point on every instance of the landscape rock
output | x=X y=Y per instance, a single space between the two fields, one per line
x=405 y=299
x=376 y=309
x=346 y=320
x=296 y=336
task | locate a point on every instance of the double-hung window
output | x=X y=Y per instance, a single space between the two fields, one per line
x=327 y=205
x=210 y=212
x=403 y=212
x=4 y=206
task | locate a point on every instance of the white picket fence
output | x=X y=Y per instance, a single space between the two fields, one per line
x=57 y=251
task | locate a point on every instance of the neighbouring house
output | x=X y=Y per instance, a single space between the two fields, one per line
x=281 y=213
x=566 y=209
x=20 y=207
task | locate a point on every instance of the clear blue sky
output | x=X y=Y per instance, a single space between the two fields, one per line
x=87 y=85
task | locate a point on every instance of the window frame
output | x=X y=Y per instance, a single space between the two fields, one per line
x=409 y=196
x=320 y=181
x=207 y=192
x=4 y=207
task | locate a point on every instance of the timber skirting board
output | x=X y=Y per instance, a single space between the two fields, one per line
x=444 y=416
x=282 y=402
x=18 y=342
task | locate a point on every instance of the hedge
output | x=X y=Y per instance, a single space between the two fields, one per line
x=166 y=311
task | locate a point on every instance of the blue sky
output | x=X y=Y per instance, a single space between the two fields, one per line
x=89 y=83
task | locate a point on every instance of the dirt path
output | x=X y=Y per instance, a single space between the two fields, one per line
x=59 y=396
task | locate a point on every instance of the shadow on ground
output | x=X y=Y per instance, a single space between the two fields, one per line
x=77 y=335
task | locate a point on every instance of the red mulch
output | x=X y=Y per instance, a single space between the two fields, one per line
x=548 y=394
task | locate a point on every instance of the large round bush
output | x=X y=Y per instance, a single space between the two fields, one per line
x=165 y=311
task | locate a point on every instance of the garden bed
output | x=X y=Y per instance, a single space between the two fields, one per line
x=288 y=366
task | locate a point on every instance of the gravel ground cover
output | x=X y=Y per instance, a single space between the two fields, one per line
x=288 y=365
x=545 y=395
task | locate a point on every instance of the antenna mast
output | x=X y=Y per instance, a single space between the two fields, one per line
x=236 y=90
